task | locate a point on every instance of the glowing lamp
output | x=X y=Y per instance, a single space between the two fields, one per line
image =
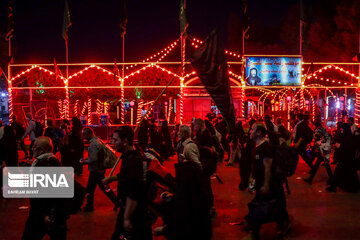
x=132 y=104
x=260 y=102
x=341 y=98
x=166 y=103
x=307 y=102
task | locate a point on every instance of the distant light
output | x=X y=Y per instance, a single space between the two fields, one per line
x=3 y=94
x=338 y=104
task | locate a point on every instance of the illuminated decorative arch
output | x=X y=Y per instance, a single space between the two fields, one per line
x=328 y=67
x=191 y=80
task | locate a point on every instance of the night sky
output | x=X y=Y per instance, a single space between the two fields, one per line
x=95 y=34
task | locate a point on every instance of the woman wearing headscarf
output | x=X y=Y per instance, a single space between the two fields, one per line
x=345 y=172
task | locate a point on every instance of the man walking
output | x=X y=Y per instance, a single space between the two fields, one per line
x=303 y=136
x=31 y=132
x=133 y=221
x=97 y=171
x=50 y=130
x=186 y=148
x=47 y=215
x=321 y=151
x=267 y=186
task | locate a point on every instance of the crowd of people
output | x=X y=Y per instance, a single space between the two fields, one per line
x=267 y=154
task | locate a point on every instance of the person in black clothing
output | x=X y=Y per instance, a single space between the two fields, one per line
x=19 y=132
x=345 y=173
x=246 y=160
x=237 y=140
x=302 y=137
x=175 y=136
x=267 y=186
x=222 y=128
x=47 y=215
x=271 y=131
x=8 y=147
x=216 y=140
x=155 y=136
x=205 y=144
x=8 y=150
x=251 y=122
x=166 y=148
x=59 y=135
x=50 y=130
x=73 y=150
x=133 y=221
x=357 y=148
x=202 y=135
x=211 y=115
x=143 y=134
x=188 y=215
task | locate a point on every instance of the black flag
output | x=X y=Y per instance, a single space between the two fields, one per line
x=211 y=67
x=123 y=18
x=10 y=22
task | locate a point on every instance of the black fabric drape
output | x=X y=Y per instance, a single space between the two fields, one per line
x=211 y=67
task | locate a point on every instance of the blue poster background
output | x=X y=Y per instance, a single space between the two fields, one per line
x=273 y=71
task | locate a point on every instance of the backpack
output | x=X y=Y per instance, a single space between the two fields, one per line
x=39 y=129
x=286 y=161
x=109 y=155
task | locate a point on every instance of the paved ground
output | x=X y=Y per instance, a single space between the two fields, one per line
x=315 y=213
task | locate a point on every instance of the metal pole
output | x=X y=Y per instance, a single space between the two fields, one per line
x=301 y=37
x=67 y=58
x=181 y=111
x=242 y=105
x=243 y=42
x=30 y=93
x=122 y=83
x=336 y=109
x=132 y=116
x=318 y=97
x=326 y=108
x=11 y=112
x=301 y=25
x=345 y=97
x=357 y=94
x=183 y=44
x=67 y=101
x=123 y=56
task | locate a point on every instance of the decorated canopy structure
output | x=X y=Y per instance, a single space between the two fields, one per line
x=326 y=89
